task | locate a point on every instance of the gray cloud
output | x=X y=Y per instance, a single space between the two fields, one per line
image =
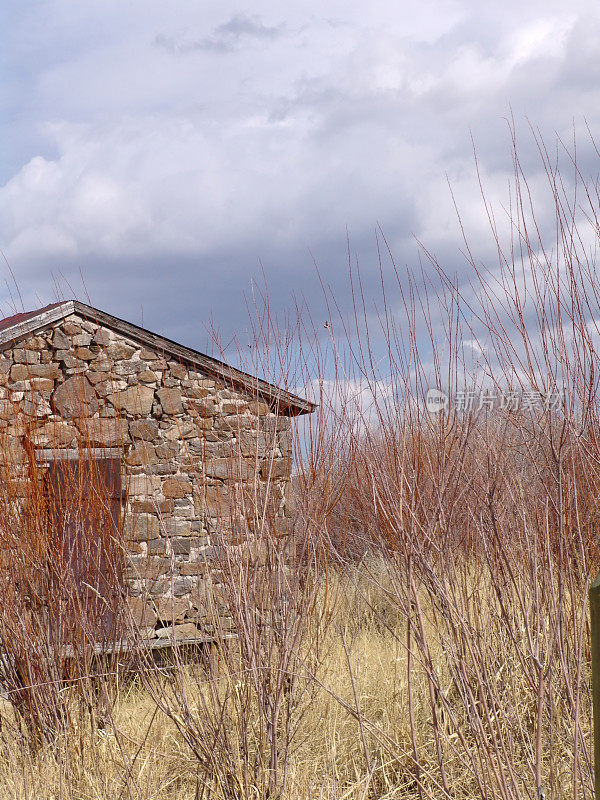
x=241 y=25
x=169 y=181
x=240 y=29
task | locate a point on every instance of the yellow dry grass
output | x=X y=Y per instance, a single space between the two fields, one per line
x=354 y=736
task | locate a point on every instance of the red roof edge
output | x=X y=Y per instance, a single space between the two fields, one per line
x=8 y=322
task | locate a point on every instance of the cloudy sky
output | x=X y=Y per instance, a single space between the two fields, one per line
x=167 y=154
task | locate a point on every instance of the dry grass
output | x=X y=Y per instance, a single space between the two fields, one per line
x=359 y=698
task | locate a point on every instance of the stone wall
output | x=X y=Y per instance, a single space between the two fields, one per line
x=202 y=462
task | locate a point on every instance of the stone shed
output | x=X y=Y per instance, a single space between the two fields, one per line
x=193 y=453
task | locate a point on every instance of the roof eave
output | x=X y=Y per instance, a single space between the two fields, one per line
x=285 y=402
x=38 y=322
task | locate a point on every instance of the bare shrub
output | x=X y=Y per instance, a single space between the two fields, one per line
x=61 y=590
x=422 y=631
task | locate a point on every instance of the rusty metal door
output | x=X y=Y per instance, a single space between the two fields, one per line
x=87 y=560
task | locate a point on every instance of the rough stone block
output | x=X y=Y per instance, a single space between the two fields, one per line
x=273 y=423
x=19 y=372
x=204 y=424
x=163 y=469
x=159 y=365
x=177 y=370
x=55 y=434
x=258 y=408
x=158 y=546
x=235 y=422
x=176 y=526
x=276 y=468
x=228 y=468
x=23 y=372
x=155 y=566
x=146 y=429
x=81 y=339
x=186 y=630
x=142 y=528
x=102 y=364
x=213 y=501
x=203 y=408
x=167 y=450
x=104 y=432
x=181 y=547
x=256 y=444
x=143 y=485
x=181 y=586
x=170 y=400
x=84 y=353
x=142 y=613
x=185 y=430
x=119 y=351
x=212 y=554
x=71 y=328
x=136 y=400
x=35 y=405
x=152 y=506
x=141 y=455
x=42 y=384
x=102 y=337
x=197 y=393
x=45 y=371
x=60 y=341
x=157 y=588
x=126 y=368
x=285 y=442
x=234 y=407
x=75 y=398
x=192 y=568
x=26 y=356
x=214 y=450
x=171 y=609
x=176 y=487
x=218 y=468
x=34 y=343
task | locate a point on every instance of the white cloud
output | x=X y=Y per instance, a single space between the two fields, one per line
x=223 y=134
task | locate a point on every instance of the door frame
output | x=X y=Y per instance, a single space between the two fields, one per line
x=46 y=459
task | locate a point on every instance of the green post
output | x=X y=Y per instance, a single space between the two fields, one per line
x=595 y=635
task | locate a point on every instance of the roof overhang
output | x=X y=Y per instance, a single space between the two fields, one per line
x=282 y=402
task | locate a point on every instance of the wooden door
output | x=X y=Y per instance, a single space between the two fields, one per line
x=86 y=551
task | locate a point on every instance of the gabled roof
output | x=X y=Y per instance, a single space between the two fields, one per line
x=30 y=322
